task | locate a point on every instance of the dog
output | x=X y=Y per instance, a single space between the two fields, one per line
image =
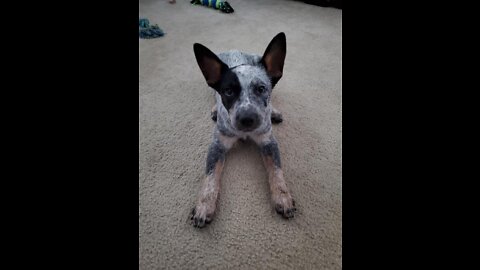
x=243 y=85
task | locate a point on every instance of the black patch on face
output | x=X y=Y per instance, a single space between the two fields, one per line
x=216 y=152
x=229 y=84
x=271 y=149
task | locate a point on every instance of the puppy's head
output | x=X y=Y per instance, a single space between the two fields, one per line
x=245 y=89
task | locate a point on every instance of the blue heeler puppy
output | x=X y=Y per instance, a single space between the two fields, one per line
x=243 y=84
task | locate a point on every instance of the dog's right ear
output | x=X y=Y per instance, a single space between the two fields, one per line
x=274 y=57
x=210 y=65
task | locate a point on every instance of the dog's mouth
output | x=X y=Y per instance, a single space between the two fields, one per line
x=246 y=129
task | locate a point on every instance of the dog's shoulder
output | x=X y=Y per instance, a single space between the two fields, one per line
x=234 y=58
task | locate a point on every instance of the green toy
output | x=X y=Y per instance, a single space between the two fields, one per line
x=223 y=6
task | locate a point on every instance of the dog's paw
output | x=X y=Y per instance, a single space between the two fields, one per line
x=276 y=118
x=200 y=217
x=213 y=115
x=285 y=206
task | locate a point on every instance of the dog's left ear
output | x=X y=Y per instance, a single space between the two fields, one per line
x=274 y=57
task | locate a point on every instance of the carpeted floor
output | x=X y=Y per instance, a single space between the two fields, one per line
x=175 y=132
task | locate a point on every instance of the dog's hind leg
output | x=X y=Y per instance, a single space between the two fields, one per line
x=204 y=210
x=276 y=116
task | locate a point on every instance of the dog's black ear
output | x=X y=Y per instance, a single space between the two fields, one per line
x=212 y=67
x=274 y=57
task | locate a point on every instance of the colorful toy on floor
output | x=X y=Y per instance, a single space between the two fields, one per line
x=223 y=6
x=145 y=30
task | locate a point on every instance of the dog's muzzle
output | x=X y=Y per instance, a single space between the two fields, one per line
x=247 y=120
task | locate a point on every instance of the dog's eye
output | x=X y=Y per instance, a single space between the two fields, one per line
x=228 y=92
x=261 y=89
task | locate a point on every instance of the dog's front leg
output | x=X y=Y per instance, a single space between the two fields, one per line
x=276 y=116
x=281 y=197
x=203 y=212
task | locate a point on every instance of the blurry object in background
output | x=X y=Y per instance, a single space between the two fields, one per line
x=147 y=31
x=325 y=3
x=223 y=6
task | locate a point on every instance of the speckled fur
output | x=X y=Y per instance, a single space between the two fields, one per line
x=250 y=72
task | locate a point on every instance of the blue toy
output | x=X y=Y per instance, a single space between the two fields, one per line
x=147 y=31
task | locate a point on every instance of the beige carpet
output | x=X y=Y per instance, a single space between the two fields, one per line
x=175 y=131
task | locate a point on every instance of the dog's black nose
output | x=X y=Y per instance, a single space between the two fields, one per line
x=247 y=120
